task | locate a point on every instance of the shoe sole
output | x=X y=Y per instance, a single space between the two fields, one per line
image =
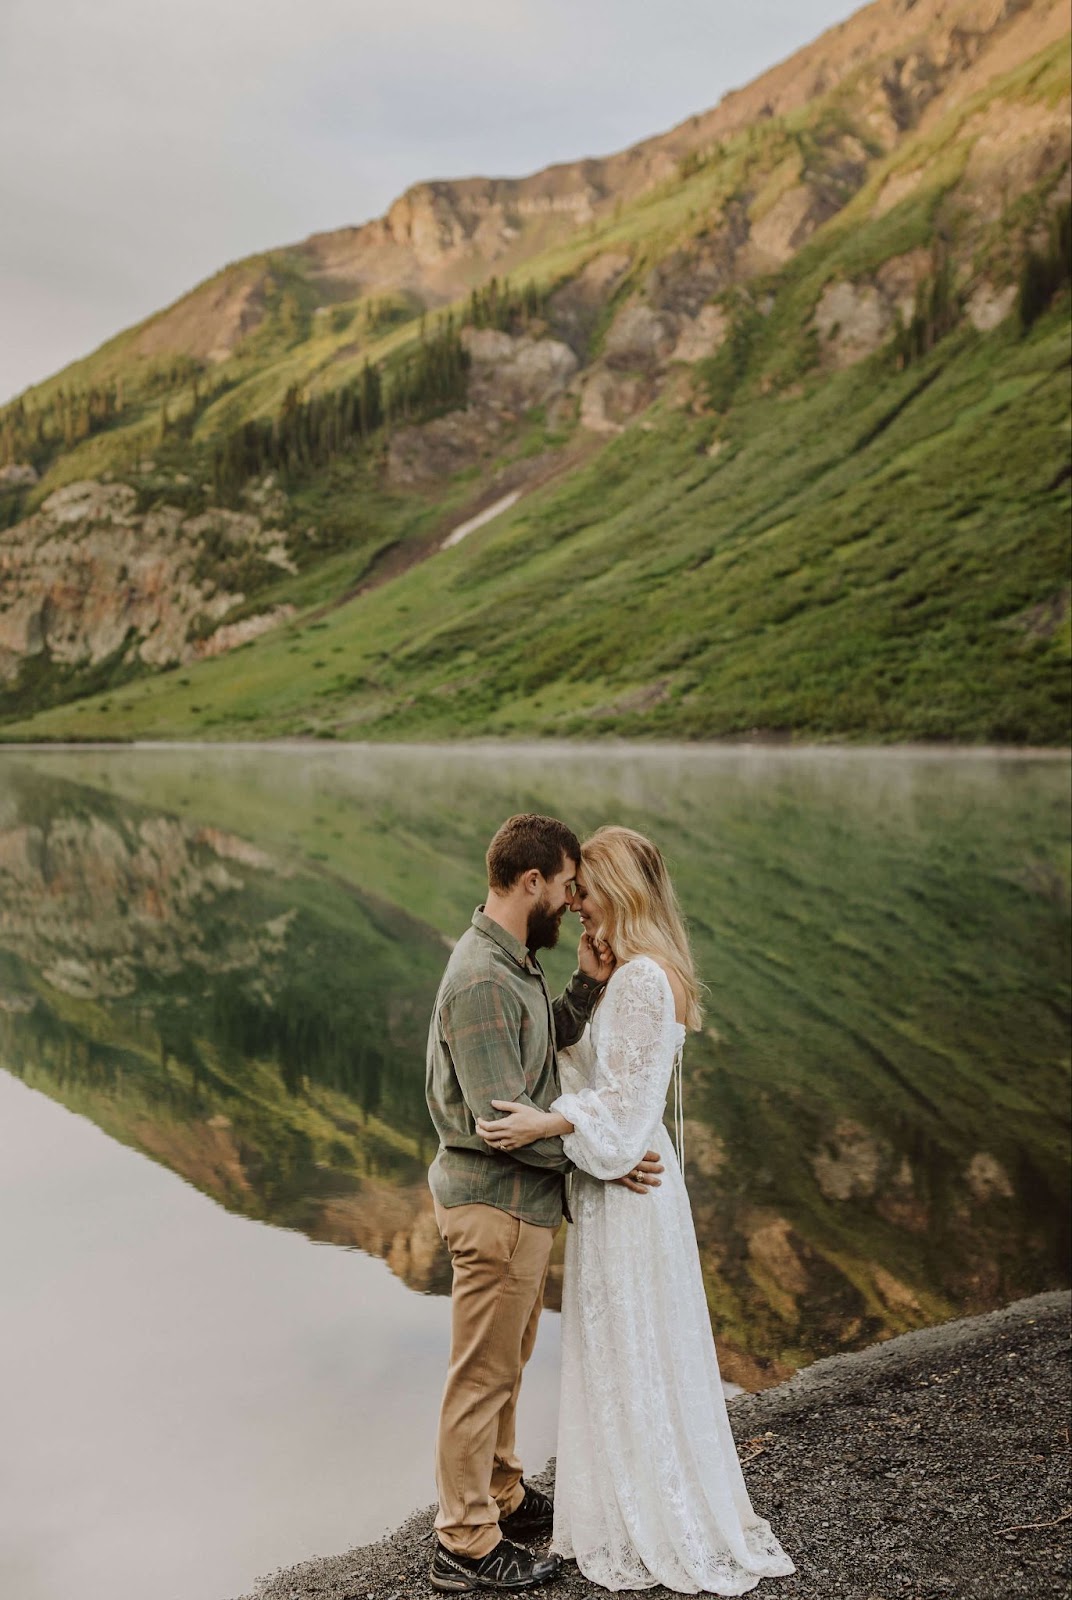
x=462 y=1585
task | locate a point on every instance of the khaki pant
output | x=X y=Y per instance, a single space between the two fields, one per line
x=500 y=1267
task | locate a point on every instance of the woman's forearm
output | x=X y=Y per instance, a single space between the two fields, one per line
x=521 y=1126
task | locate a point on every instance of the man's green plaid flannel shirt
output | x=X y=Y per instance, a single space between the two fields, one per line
x=492 y=1037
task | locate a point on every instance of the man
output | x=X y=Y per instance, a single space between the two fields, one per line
x=493 y=1035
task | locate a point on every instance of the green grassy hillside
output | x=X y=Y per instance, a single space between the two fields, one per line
x=883 y=556
x=846 y=522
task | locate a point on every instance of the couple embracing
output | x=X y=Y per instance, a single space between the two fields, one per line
x=526 y=1094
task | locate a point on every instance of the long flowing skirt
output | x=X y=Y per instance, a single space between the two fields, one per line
x=648 y=1489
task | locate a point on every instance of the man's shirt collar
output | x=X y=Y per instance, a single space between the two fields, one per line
x=505 y=940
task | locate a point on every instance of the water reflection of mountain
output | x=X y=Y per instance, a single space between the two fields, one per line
x=258 y=1031
x=876 y=1130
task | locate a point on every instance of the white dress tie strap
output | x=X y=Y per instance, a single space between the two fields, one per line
x=679 y=1111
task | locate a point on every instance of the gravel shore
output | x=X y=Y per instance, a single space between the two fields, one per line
x=934 y=1466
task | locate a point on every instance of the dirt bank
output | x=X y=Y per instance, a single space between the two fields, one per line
x=932 y=1467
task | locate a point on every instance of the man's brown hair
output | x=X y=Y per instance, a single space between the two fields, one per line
x=526 y=841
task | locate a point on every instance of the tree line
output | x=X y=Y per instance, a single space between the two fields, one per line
x=35 y=430
x=306 y=434
x=499 y=305
x=33 y=433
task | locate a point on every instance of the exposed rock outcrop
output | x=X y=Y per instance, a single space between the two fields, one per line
x=92 y=905
x=88 y=574
x=575 y=307
x=852 y=320
x=212 y=322
x=852 y=1163
x=232 y=634
x=420 y=456
x=899 y=278
x=610 y=399
x=700 y=336
x=508 y=376
x=516 y=373
x=639 y=337
x=988 y=306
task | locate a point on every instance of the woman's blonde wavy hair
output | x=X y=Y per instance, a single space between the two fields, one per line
x=641 y=915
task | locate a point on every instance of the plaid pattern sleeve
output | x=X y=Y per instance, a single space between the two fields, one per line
x=573 y=1008
x=481 y=1026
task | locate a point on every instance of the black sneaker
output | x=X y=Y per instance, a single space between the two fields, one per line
x=531 y=1518
x=506 y=1567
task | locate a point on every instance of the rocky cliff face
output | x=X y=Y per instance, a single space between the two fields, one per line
x=88 y=574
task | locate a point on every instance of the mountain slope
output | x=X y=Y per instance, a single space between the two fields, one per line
x=440 y=238
x=790 y=580
x=768 y=374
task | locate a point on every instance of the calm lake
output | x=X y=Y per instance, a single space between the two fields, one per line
x=224 y=1295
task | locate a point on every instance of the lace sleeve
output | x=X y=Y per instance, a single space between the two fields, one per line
x=576 y=1064
x=614 y=1123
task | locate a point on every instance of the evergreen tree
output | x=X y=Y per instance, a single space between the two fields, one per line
x=1046 y=272
x=937 y=311
x=497 y=305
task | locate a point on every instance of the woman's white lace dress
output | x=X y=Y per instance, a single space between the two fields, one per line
x=648 y=1486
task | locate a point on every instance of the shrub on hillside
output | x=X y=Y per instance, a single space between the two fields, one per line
x=937 y=312
x=1047 y=271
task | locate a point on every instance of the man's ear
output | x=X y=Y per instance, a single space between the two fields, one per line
x=530 y=881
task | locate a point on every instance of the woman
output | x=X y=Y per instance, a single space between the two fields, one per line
x=649 y=1489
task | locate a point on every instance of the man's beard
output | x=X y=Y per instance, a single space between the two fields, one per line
x=543 y=926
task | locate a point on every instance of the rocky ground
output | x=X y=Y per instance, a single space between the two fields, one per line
x=931 y=1467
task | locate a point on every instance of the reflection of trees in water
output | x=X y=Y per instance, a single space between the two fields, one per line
x=873 y=1138
x=314 y=1028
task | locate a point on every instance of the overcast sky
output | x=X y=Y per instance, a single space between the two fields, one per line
x=144 y=145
